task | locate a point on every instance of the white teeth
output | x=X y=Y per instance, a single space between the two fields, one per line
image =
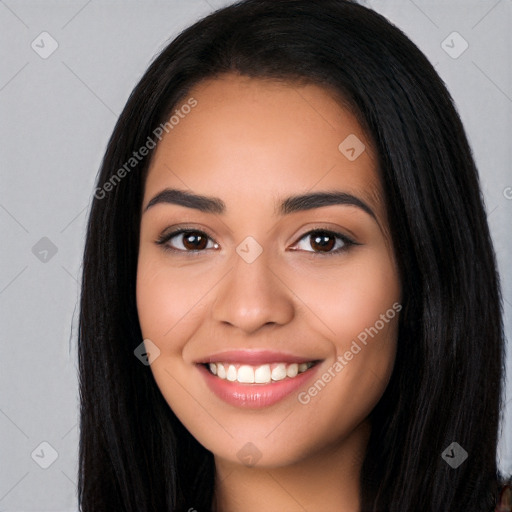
x=245 y=374
x=292 y=370
x=279 y=372
x=263 y=374
x=221 y=371
x=231 y=375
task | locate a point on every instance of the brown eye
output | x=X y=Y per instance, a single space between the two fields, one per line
x=186 y=241
x=323 y=242
x=194 y=241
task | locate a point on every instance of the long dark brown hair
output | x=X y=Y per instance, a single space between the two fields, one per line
x=447 y=381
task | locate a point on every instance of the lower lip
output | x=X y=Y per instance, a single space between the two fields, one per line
x=255 y=396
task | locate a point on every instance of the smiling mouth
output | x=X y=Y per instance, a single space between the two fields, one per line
x=260 y=374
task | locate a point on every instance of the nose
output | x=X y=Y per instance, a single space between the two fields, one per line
x=252 y=296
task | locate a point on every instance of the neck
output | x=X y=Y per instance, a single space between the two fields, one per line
x=327 y=481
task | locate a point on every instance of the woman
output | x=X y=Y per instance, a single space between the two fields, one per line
x=290 y=298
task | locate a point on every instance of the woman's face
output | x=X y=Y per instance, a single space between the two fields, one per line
x=294 y=302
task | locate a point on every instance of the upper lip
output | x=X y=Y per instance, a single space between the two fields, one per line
x=254 y=357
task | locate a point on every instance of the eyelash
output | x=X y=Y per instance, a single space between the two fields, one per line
x=163 y=239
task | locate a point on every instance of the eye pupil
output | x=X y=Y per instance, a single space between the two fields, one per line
x=200 y=243
x=323 y=241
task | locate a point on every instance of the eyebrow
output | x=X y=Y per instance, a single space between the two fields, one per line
x=289 y=205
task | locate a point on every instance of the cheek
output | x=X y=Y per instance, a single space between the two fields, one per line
x=170 y=303
x=154 y=298
x=357 y=308
x=169 y=300
x=351 y=296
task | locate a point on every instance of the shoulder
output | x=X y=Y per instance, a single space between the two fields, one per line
x=504 y=503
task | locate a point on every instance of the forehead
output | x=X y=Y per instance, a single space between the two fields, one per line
x=250 y=139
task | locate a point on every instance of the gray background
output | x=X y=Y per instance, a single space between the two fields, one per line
x=57 y=115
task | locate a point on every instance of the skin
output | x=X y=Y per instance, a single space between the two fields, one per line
x=253 y=142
